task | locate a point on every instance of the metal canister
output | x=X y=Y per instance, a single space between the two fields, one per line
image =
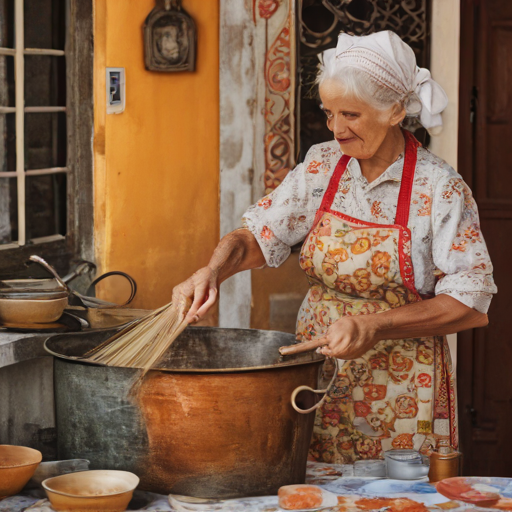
x=444 y=465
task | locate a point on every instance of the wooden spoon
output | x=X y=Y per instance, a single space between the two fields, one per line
x=299 y=348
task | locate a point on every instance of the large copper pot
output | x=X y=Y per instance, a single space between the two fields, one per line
x=214 y=421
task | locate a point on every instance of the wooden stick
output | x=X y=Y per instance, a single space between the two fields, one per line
x=299 y=348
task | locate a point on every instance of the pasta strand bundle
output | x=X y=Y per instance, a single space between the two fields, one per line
x=142 y=343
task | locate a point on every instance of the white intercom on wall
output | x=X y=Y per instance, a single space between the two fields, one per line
x=116 y=90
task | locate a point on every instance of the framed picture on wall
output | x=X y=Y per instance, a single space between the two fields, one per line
x=170 y=38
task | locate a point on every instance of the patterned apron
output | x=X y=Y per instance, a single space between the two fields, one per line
x=400 y=394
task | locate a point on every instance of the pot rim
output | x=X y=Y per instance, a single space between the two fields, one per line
x=283 y=361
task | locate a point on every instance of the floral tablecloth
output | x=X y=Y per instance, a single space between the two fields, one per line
x=356 y=494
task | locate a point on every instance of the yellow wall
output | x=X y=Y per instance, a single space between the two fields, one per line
x=157 y=164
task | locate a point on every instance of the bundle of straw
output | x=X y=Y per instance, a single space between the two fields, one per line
x=143 y=342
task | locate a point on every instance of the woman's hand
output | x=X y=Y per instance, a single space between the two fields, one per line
x=352 y=336
x=349 y=337
x=201 y=289
x=237 y=251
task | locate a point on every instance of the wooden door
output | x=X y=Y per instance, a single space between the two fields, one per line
x=485 y=161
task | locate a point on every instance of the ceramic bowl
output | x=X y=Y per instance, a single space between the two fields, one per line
x=105 y=490
x=17 y=466
x=32 y=311
x=406 y=464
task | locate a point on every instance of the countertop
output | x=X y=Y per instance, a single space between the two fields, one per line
x=19 y=347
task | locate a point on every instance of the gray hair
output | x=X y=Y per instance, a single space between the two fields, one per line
x=364 y=87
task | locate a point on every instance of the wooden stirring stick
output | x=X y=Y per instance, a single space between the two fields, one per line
x=299 y=348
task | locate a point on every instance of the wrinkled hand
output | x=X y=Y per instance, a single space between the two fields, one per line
x=201 y=289
x=349 y=337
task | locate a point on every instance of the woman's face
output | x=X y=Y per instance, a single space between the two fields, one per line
x=359 y=128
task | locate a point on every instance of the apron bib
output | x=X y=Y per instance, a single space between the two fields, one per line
x=400 y=394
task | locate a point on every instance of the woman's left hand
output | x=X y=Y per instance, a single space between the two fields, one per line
x=352 y=336
x=349 y=337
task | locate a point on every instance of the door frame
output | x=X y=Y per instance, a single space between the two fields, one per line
x=465 y=339
x=471 y=360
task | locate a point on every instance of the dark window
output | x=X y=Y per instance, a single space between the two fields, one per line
x=40 y=133
x=320 y=22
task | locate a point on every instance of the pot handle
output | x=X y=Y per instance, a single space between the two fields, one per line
x=129 y=278
x=297 y=390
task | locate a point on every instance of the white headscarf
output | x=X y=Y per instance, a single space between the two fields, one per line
x=390 y=61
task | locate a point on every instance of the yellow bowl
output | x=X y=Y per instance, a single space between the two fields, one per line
x=98 y=490
x=31 y=311
x=17 y=466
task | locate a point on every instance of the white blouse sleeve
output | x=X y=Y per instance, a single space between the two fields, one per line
x=284 y=217
x=458 y=247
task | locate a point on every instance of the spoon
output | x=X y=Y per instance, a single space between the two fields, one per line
x=49 y=268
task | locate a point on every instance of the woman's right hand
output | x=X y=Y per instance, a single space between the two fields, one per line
x=237 y=251
x=201 y=289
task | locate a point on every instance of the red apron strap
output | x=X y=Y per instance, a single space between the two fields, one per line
x=404 y=197
x=334 y=182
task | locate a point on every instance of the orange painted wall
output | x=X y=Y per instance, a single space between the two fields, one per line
x=157 y=164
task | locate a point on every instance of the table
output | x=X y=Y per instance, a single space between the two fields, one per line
x=338 y=479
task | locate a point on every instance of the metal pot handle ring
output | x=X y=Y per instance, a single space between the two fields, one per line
x=297 y=390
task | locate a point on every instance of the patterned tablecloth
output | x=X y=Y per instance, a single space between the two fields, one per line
x=356 y=494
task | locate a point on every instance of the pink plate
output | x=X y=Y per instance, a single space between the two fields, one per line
x=481 y=491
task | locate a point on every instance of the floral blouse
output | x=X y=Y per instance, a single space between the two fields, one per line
x=449 y=254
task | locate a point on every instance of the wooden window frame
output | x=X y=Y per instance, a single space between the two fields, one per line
x=79 y=54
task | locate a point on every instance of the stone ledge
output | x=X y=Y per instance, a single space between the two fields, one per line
x=19 y=347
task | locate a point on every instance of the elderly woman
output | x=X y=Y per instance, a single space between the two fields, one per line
x=392 y=250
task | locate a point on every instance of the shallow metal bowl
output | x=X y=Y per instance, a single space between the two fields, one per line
x=108 y=491
x=17 y=466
